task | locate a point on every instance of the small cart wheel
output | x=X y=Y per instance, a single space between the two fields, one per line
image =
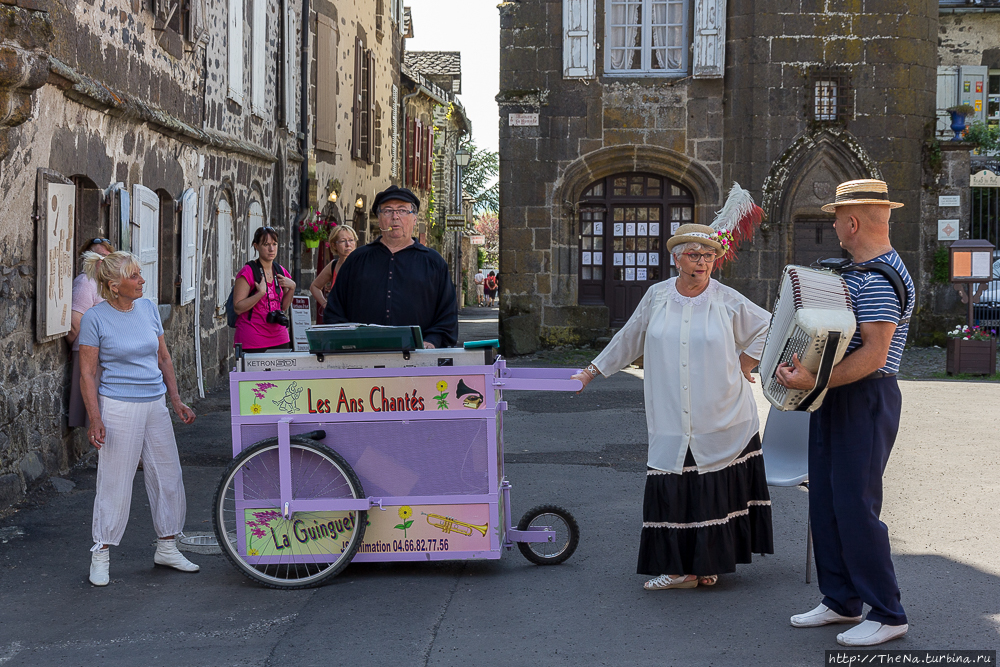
x=247 y=505
x=553 y=518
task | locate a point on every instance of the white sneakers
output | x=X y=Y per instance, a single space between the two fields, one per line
x=871 y=633
x=168 y=555
x=866 y=633
x=100 y=561
x=821 y=615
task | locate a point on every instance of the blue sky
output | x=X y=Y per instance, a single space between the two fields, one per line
x=472 y=27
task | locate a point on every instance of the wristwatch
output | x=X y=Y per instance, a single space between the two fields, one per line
x=592 y=369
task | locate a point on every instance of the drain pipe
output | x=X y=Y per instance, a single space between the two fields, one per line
x=304 y=133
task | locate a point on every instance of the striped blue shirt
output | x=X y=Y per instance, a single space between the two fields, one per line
x=874 y=300
x=126 y=344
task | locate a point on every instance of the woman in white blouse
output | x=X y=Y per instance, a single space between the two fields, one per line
x=706 y=505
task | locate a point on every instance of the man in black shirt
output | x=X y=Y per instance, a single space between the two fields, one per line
x=395 y=280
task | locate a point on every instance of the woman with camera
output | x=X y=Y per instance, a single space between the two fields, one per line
x=263 y=291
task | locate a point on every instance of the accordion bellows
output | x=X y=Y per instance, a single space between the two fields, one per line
x=813 y=318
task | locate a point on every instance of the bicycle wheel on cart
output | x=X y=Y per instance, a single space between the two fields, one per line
x=304 y=550
x=555 y=518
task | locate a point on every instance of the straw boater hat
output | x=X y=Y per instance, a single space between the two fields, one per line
x=863 y=191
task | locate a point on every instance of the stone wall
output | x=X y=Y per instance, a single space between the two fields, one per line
x=588 y=129
x=120 y=107
x=969 y=39
x=887 y=49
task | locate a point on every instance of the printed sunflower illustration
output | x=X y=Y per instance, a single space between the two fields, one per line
x=255 y=409
x=442 y=397
x=405 y=513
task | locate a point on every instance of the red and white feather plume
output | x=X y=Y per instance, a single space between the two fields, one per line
x=737 y=221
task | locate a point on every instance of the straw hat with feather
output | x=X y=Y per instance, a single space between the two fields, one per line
x=863 y=191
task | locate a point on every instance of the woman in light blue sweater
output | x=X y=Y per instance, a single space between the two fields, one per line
x=128 y=411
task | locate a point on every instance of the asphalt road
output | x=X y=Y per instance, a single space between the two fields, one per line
x=584 y=452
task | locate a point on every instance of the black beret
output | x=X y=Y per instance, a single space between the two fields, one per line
x=399 y=194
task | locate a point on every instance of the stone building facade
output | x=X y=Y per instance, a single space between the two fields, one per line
x=647 y=112
x=174 y=130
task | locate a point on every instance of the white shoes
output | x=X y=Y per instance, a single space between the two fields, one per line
x=100 y=562
x=871 y=633
x=168 y=555
x=821 y=615
x=664 y=582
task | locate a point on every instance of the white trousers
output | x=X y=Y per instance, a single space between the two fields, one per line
x=134 y=430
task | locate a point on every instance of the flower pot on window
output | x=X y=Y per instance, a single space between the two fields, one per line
x=972 y=357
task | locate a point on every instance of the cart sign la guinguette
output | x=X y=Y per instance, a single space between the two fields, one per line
x=403 y=529
x=387 y=394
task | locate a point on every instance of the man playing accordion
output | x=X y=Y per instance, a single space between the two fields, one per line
x=851 y=435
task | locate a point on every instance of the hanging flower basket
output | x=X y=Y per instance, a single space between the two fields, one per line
x=315 y=228
x=311 y=243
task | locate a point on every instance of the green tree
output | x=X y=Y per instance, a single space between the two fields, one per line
x=481 y=178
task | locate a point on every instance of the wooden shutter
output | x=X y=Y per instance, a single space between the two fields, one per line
x=291 y=90
x=418 y=154
x=370 y=104
x=224 y=251
x=189 y=245
x=326 y=83
x=255 y=219
x=356 y=129
x=429 y=171
x=258 y=52
x=578 y=39
x=709 y=39
x=394 y=131
x=947 y=96
x=236 y=50
x=197 y=16
x=411 y=148
x=146 y=212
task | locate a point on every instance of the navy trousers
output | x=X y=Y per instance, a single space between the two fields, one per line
x=850 y=439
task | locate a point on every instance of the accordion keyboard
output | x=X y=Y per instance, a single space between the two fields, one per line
x=797 y=343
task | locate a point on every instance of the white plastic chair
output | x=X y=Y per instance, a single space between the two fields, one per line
x=786 y=458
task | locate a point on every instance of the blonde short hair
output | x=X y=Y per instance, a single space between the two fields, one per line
x=108 y=270
x=335 y=232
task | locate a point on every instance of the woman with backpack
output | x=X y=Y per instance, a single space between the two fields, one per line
x=490 y=287
x=261 y=295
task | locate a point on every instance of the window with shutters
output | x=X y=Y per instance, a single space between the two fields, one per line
x=326 y=84
x=176 y=20
x=411 y=148
x=223 y=251
x=235 y=50
x=258 y=51
x=646 y=37
x=169 y=250
x=379 y=13
x=578 y=39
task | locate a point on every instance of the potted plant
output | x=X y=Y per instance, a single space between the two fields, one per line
x=958 y=114
x=314 y=229
x=972 y=351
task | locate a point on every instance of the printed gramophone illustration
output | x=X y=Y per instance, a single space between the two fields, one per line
x=473 y=398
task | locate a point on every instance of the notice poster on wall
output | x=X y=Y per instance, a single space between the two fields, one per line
x=301 y=319
x=55 y=255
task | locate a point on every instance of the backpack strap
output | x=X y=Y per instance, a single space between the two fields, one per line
x=895 y=280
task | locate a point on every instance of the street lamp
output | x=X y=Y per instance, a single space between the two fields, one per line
x=462 y=158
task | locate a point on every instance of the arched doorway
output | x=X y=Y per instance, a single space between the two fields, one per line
x=625 y=220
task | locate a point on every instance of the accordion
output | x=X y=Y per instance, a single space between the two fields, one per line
x=813 y=318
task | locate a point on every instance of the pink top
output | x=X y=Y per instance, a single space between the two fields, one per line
x=85 y=297
x=254 y=332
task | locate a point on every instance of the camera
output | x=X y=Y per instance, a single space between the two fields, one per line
x=277 y=317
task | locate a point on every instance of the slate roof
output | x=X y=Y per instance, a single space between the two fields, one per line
x=435 y=63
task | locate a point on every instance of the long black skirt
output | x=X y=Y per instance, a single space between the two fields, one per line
x=706 y=523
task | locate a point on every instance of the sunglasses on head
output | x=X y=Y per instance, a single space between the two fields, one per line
x=99 y=241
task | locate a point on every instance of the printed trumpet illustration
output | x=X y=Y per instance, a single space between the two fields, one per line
x=447 y=524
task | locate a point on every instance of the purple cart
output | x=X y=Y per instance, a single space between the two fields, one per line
x=376 y=464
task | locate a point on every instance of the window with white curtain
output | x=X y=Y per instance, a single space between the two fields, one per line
x=646 y=37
